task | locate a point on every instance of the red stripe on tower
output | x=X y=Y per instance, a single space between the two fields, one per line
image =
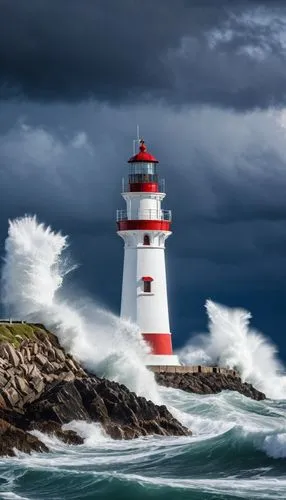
x=160 y=343
x=143 y=187
x=150 y=225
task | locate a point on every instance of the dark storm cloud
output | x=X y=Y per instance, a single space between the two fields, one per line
x=226 y=53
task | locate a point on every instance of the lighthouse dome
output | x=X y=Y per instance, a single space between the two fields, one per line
x=143 y=155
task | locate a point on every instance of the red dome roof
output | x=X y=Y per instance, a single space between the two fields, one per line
x=143 y=155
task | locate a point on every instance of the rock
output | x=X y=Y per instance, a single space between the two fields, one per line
x=208 y=383
x=121 y=413
x=57 y=367
x=30 y=398
x=67 y=376
x=71 y=365
x=49 y=367
x=2 y=401
x=3 y=363
x=12 y=355
x=10 y=372
x=24 y=368
x=11 y=396
x=60 y=403
x=3 y=352
x=11 y=437
x=21 y=358
x=14 y=417
x=60 y=355
x=49 y=378
x=22 y=385
x=28 y=354
x=35 y=348
x=40 y=359
x=38 y=384
x=3 y=379
x=34 y=371
x=43 y=388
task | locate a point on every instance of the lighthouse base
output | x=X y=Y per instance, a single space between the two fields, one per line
x=160 y=360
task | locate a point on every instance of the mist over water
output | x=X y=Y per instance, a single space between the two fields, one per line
x=233 y=343
x=33 y=289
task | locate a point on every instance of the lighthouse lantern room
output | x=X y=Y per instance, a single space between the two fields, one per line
x=144 y=227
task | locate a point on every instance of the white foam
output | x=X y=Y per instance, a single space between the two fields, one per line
x=232 y=343
x=262 y=488
x=275 y=445
x=92 y=433
x=9 y=495
x=33 y=289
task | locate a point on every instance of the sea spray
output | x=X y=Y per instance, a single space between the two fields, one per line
x=232 y=343
x=33 y=290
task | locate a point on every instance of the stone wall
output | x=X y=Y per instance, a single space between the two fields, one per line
x=193 y=369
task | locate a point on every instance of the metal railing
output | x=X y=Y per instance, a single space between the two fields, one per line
x=147 y=214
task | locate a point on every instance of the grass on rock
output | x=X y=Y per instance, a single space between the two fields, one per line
x=15 y=333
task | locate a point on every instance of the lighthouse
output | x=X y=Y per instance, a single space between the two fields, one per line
x=144 y=227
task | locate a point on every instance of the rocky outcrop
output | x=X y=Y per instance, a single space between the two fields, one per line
x=121 y=413
x=42 y=387
x=26 y=370
x=208 y=383
x=12 y=438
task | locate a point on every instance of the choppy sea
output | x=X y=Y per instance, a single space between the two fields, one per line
x=237 y=450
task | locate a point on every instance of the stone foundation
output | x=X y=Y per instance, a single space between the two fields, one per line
x=193 y=369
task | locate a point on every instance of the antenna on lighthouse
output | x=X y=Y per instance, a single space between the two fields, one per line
x=136 y=141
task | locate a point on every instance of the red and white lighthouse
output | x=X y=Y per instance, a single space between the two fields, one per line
x=144 y=227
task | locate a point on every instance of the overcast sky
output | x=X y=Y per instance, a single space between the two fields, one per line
x=206 y=81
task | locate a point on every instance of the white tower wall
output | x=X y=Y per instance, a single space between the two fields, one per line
x=148 y=310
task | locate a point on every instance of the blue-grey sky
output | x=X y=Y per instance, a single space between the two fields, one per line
x=206 y=81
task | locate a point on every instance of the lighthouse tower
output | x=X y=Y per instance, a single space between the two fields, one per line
x=144 y=227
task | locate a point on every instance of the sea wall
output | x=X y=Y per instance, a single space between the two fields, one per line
x=193 y=369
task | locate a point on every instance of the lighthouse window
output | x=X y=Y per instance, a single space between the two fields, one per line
x=146 y=240
x=147 y=283
x=143 y=168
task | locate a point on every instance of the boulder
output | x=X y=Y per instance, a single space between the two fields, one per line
x=60 y=403
x=12 y=438
x=40 y=359
x=34 y=371
x=22 y=385
x=12 y=355
x=35 y=348
x=11 y=396
x=38 y=384
x=3 y=379
x=60 y=355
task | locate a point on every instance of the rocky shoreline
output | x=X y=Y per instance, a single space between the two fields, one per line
x=208 y=383
x=42 y=388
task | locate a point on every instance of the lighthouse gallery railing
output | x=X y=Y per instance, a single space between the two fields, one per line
x=147 y=214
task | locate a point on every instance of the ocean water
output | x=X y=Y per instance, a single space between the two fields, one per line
x=238 y=450
x=238 y=446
